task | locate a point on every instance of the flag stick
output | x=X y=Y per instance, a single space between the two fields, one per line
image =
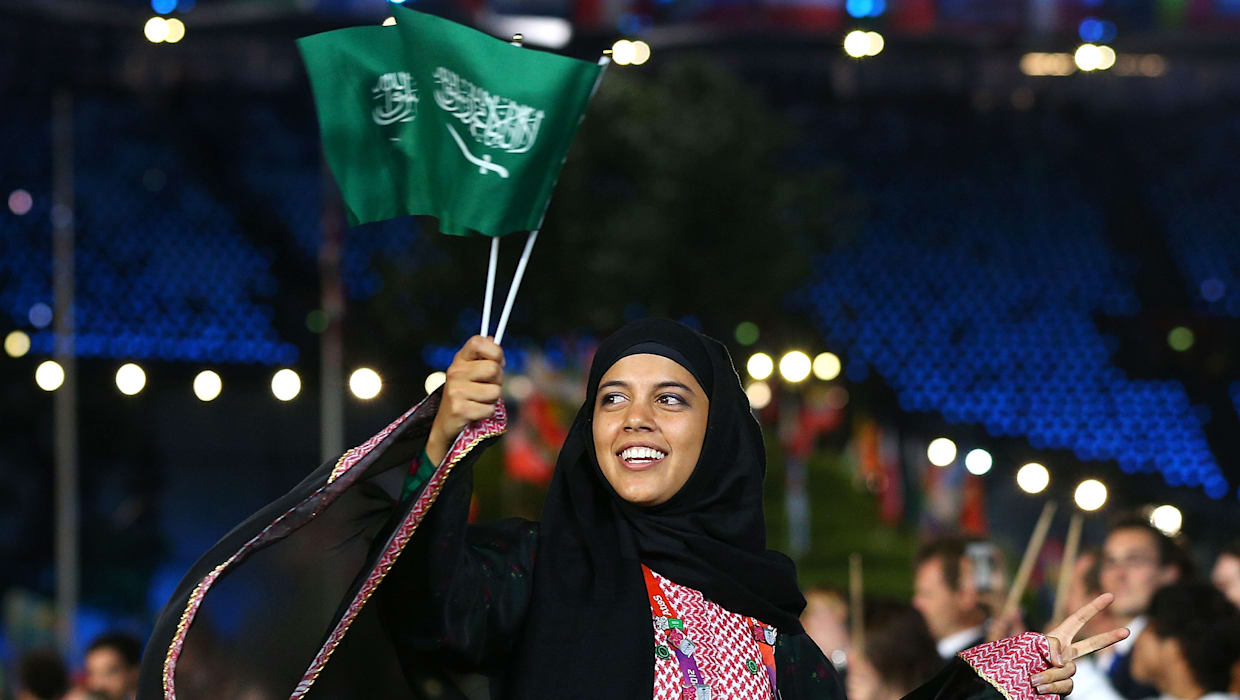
x=1026 y=563
x=486 y=303
x=1067 y=565
x=856 y=613
x=516 y=284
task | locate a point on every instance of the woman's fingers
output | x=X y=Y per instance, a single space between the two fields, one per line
x=480 y=348
x=1096 y=642
x=1054 y=674
x=486 y=371
x=1066 y=631
x=1057 y=688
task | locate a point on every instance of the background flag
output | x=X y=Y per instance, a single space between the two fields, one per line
x=431 y=117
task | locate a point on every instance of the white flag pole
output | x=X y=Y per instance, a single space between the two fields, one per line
x=516 y=284
x=486 y=303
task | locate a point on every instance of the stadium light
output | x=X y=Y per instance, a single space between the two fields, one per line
x=1167 y=518
x=49 y=375
x=365 y=383
x=156 y=30
x=207 y=385
x=827 y=366
x=760 y=365
x=130 y=379
x=1033 y=478
x=978 y=462
x=286 y=384
x=794 y=366
x=941 y=452
x=1090 y=495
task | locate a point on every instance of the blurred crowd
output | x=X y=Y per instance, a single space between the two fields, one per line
x=1184 y=642
x=109 y=672
x=1185 y=624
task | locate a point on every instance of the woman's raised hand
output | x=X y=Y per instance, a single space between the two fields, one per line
x=1058 y=678
x=470 y=393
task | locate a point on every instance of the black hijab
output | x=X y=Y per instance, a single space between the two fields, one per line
x=587 y=632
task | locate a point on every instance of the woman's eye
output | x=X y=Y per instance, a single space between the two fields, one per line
x=611 y=399
x=672 y=399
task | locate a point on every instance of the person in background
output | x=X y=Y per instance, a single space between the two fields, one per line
x=41 y=675
x=825 y=620
x=1086 y=585
x=1226 y=573
x=899 y=654
x=946 y=595
x=112 y=666
x=1190 y=644
x=1137 y=560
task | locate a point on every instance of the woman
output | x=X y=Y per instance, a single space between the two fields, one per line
x=648 y=575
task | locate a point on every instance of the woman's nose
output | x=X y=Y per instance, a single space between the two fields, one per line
x=638 y=418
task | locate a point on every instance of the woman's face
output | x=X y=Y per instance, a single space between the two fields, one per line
x=649 y=423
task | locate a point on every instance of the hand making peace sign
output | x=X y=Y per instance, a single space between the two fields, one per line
x=1058 y=679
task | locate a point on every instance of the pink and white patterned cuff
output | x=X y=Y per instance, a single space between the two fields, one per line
x=1009 y=663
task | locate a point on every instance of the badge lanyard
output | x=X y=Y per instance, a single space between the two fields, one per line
x=672 y=626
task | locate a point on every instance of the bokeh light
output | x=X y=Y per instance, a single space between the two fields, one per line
x=827 y=366
x=40 y=315
x=434 y=380
x=860 y=44
x=49 y=375
x=941 y=452
x=207 y=385
x=794 y=366
x=1090 y=495
x=286 y=384
x=1106 y=56
x=1087 y=57
x=641 y=52
x=1167 y=518
x=156 y=29
x=20 y=202
x=519 y=387
x=746 y=333
x=760 y=365
x=176 y=30
x=1181 y=338
x=130 y=379
x=978 y=461
x=163 y=7
x=16 y=343
x=623 y=52
x=759 y=394
x=365 y=383
x=1033 y=478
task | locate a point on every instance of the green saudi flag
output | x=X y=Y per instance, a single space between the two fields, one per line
x=431 y=117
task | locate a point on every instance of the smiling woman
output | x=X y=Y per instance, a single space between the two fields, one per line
x=649 y=426
x=648 y=575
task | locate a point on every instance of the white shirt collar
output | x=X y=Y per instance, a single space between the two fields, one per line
x=957 y=642
x=1124 y=646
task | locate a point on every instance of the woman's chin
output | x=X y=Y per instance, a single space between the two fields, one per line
x=641 y=495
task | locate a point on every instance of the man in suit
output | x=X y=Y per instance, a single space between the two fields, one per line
x=945 y=592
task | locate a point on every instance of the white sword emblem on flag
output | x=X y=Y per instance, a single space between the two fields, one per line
x=484 y=163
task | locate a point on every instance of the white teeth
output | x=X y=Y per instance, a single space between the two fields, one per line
x=641 y=453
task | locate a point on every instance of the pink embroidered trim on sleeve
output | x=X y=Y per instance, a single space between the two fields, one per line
x=1009 y=663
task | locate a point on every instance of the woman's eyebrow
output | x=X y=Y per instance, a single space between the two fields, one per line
x=673 y=384
x=667 y=383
